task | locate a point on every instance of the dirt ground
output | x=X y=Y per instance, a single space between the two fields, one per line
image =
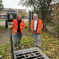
x=4 y=37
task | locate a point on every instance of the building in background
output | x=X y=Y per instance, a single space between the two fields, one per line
x=22 y=12
x=3 y=14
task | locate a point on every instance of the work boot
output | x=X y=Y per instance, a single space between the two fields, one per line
x=35 y=46
x=15 y=47
x=19 y=45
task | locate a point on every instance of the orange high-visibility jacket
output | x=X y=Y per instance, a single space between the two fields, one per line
x=15 y=26
x=39 y=26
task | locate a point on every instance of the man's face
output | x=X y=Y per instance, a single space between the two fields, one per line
x=35 y=17
x=19 y=17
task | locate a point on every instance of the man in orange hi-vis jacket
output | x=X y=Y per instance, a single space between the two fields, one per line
x=18 y=25
x=36 y=27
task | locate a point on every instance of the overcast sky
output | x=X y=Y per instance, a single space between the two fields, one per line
x=13 y=4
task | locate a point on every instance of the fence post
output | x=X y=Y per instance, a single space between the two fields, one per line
x=29 y=19
x=11 y=43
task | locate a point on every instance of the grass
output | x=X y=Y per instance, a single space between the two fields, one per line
x=4 y=47
x=49 y=45
x=2 y=20
x=2 y=26
x=26 y=24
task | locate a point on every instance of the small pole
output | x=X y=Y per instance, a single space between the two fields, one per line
x=29 y=19
x=11 y=43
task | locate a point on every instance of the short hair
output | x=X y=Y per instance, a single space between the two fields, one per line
x=18 y=15
x=35 y=15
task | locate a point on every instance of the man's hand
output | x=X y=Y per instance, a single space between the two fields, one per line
x=26 y=27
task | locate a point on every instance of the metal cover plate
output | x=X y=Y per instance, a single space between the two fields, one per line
x=26 y=54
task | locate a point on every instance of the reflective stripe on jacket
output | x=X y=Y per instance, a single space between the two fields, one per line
x=39 y=26
x=15 y=26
